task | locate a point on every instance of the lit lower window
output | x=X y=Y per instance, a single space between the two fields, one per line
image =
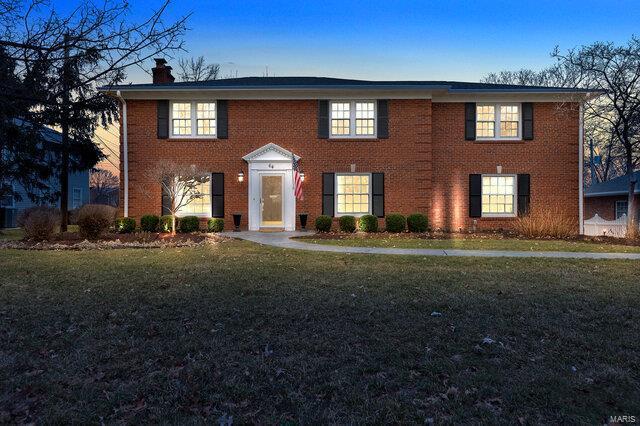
x=181 y=119
x=206 y=118
x=354 y=118
x=498 y=195
x=353 y=194
x=198 y=206
x=498 y=121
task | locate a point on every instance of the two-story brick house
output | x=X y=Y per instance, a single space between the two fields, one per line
x=465 y=154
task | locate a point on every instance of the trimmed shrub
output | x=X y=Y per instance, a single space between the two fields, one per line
x=215 y=224
x=368 y=223
x=395 y=222
x=553 y=223
x=323 y=223
x=39 y=223
x=149 y=222
x=417 y=222
x=95 y=219
x=189 y=224
x=73 y=217
x=347 y=223
x=125 y=225
x=165 y=223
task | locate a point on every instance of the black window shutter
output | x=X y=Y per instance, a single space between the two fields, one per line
x=524 y=194
x=383 y=119
x=165 y=206
x=377 y=194
x=527 y=121
x=217 y=194
x=162 y=114
x=475 y=195
x=328 y=191
x=323 y=119
x=222 y=131
x=470 y=121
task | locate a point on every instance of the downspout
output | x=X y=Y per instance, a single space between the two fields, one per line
x=581 y=168
x=125 y=154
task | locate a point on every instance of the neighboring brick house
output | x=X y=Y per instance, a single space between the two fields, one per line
x=610 y=199
x=465 y=154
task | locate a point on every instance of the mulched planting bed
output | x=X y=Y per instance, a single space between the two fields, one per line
x=73 y=241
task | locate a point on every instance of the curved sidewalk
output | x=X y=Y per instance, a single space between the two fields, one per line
x=283 y=240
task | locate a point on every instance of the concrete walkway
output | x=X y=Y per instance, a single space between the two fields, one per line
x=283 y=240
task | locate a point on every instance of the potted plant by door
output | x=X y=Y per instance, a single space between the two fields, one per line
x=303 y=221
x=237 y=217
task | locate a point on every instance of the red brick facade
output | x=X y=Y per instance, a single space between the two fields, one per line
x=426 y=160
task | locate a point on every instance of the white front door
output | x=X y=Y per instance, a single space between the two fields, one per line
x=272 y=203
x=271 y=200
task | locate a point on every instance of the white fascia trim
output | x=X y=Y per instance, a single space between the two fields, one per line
x=125 y=154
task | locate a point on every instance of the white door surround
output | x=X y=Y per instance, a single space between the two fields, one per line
x=270 y=159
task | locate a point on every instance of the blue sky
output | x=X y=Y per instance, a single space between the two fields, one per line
x=454 y=40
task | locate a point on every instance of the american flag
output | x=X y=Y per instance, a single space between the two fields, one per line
x=297 y=181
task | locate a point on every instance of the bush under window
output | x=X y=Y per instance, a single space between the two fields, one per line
x=39 y=223
x=165 y=223
x=417 y=222
x=368 y=223
x=395 y=222
x=347 y=223
x=149 y=222
x=215 y=224
x=189 y=224
x=125 y=225
x=323 y=223
x=95 y=219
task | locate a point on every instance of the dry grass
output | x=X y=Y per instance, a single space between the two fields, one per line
x=271 y=336
x=551 y=223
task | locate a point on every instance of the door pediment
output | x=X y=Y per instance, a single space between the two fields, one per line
x=269 y=153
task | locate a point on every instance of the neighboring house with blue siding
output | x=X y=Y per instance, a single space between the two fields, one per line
x=10 y=206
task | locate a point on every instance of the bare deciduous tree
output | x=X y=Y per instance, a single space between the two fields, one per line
x=102 y=184
x=63 y=59
x=197 y=69
x=179 y=184
x=616 y=70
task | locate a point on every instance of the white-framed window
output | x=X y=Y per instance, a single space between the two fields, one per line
x=622 y=207
x=76 y=198
x=499 y=121
x=198 y=206
x=353 y=194
x=499 y=195
x=355 y=119
x=193 y=119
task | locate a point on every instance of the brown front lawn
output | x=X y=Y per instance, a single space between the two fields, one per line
x=265 y=335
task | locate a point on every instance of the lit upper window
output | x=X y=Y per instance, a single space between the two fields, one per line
x=183 y=123
x=353 y=119
x=198 y=206
x=498 y=121
x=498 y=195
x=353 y=194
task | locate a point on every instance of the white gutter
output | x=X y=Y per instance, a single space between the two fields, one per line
x=125 y=154
x=581 y=168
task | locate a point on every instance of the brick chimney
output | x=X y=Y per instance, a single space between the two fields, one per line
x=162 y=72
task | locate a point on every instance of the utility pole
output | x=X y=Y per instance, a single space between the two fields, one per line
x=64 y=124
